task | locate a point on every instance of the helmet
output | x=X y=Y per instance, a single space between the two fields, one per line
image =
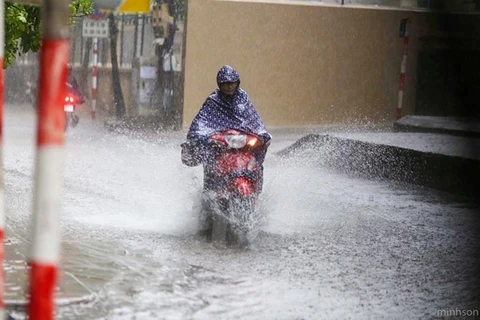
x=227 y=74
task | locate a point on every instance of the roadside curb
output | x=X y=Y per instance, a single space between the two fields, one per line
x=369 y=160
x=447 y=125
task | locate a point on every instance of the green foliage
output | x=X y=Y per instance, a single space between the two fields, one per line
x=81 y=8
x=22 y=30
x=22 y=27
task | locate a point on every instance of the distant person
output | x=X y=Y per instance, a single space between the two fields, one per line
x=74 y=88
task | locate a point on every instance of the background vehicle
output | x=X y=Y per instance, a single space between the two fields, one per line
x=70 y=104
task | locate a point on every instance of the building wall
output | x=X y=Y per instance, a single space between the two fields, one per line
x=303 y=63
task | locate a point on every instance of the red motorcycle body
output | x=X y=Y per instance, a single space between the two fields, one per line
x=69 y=106
x=235 y=163
x=237 y=176
x=232 y=184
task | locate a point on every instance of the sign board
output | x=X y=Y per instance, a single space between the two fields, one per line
x=148 y=72
x=93 y=28
x=97 y=15
x=123 y=6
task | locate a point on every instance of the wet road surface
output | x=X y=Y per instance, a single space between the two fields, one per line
x=331 y=246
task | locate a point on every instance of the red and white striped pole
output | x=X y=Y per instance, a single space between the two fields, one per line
x=2 y=184
x=45 y=246
x=403 y=69
x=94 y=77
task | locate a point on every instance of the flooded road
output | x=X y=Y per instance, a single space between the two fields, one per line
x=331 y=247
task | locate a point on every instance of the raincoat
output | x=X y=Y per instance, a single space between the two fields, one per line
x=220 y=112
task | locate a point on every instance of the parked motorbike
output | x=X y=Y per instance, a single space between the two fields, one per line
x=234 y=176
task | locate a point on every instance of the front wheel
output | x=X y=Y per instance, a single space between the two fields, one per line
x=67 y=120
x=241 y=222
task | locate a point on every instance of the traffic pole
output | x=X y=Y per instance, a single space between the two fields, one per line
x=142 y=38
x=94 y=77
x=45 y=245
x=403 y=69
x=2 y=184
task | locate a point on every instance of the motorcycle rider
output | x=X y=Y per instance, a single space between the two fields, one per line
x=74 y=89
x=228 y=107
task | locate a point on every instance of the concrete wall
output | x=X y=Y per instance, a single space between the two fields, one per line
x=303 y=63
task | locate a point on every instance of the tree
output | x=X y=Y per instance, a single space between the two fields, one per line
x=165 y=80
x=117 y=87
x=22 y=27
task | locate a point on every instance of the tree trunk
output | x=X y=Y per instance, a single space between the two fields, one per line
x=165 y=79
x=117 y=88
x=84 y=72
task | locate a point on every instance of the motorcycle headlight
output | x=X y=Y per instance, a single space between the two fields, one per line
x=236 y=141
x=253 y=142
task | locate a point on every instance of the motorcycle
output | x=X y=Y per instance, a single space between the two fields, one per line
x=69 y=106
x=234 y=178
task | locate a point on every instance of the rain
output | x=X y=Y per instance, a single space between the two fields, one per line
x=355 y=221
x=331 y=244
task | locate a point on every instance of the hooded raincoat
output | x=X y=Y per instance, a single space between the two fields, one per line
x=220 y=112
